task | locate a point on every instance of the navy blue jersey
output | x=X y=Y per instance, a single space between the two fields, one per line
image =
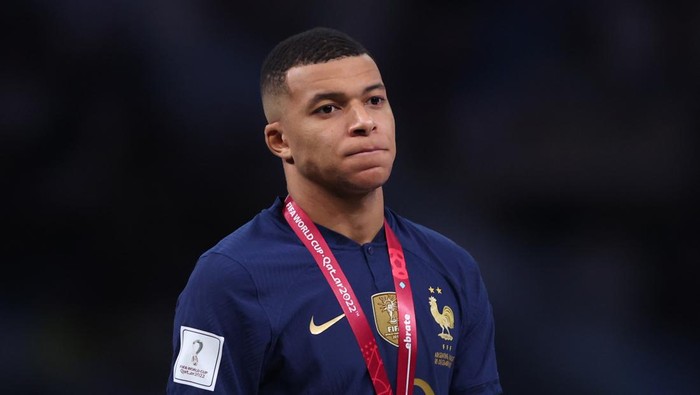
x=258 y=317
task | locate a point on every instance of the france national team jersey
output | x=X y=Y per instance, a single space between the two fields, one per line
x=258 y=317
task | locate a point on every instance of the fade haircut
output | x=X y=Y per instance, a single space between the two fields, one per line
x=317 y=45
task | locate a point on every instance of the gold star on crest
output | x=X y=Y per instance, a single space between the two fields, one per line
x=439 y=290
x=431 y=289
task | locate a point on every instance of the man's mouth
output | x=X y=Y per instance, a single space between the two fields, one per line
x=366 y=151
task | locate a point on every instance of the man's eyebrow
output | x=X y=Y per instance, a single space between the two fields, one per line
x=335 y=96
x=340 y=96
x=378 y=85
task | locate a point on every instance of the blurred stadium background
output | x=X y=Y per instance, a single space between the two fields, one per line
x=556 y=141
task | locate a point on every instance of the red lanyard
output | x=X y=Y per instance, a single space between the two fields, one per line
x=310 y=236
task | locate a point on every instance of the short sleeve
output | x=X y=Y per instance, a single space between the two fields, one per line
x=219 y=307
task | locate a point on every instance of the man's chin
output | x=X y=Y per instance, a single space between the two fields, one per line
x=367 y=183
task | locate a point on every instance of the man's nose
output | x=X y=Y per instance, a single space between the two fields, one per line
x=362 y=121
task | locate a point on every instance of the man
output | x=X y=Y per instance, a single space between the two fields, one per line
x=328 y=291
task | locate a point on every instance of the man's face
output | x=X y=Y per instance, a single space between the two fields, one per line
x=338 y=125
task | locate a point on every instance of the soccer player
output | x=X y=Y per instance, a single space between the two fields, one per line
x=328 y=291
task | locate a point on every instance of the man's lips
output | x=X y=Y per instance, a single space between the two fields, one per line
x=366 y=150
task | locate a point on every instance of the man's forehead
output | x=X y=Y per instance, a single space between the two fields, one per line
x=344 y=73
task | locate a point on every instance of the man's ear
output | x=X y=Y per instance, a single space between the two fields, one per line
x=277 y=142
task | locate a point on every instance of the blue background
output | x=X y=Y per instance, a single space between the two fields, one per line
x=556 y=141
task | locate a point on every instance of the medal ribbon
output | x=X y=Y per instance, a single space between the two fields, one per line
x=312 y=239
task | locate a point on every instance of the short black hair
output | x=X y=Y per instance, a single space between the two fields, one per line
x=317 y=45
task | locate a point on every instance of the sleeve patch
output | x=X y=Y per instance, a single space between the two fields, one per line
x=199 y=358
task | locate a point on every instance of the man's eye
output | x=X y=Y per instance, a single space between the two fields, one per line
x=327 y=109
x=376 y=100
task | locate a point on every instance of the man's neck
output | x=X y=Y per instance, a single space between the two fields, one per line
x=357 y=217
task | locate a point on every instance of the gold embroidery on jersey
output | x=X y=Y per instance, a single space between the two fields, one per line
x=445 y=319
x=444 y=359
x=385 y=311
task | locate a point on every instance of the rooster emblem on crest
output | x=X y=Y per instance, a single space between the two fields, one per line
x=446 y=318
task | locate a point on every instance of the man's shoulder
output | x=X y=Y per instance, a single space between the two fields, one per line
x=263 y=234
x=421 y=232
x=427 y=242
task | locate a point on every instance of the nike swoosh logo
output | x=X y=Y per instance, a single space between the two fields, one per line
x=318 y=329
